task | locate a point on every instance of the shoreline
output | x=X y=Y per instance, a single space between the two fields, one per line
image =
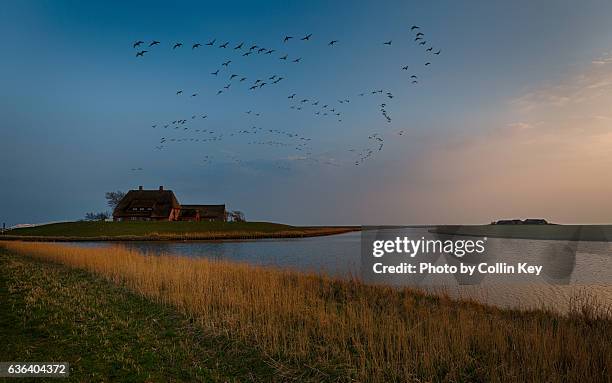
x=203 y=236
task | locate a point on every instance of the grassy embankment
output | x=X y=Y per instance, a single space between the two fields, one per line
x=151 y=231
x=301 y=326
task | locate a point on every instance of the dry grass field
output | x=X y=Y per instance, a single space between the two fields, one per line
x=345 y=330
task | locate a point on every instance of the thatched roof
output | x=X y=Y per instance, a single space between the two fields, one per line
x=147 y=203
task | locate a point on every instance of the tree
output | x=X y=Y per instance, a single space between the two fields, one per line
x=102 y=216
x=113 y=198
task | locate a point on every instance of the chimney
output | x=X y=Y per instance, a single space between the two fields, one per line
x=161 y=188
x=139 y=187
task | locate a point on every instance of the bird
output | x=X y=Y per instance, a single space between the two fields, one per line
x=405 y=67
x=196 y=45
x=242 y=79
x=224 y=45
x=179 y=92
x=272 y=77
x=287 y=38
x=297 y=60
x=331 y=43
x=219 y=92
x=193 y=95
x=284 y=57
x=292 y=96
x=437 y=53
x=423 y=43
x=420 y=34
x=211 y=43
x=429 y=49
x=141 y=53
x=253 y=47
x=262 y=84
x=413 y=76
x=227 y=63
x=215 y=72
x=388 y=42
x=418 y=38
x=247 y=53
x=307 y=37
x=427 y=63
x=232 y=76
x=270 y=51
x=261 y=50
x=228 y=86
x=177 y=45
x=414 y=27
x=253 y=87
x=239 y=46
x=154 y=42
x=137 y=43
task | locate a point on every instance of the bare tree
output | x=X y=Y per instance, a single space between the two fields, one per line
x=237 y=216
x=113 y=198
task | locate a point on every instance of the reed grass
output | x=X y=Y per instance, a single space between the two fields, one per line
x=345 y=330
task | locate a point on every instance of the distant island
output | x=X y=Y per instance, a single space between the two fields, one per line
x=530 y=228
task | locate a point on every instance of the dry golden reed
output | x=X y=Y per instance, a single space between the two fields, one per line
x=344 y=330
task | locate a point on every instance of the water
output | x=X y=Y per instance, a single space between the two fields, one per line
x=340 y=255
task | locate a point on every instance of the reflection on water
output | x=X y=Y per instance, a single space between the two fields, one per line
x=570 y=268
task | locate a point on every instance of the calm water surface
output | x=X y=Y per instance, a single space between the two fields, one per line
x=340 y=255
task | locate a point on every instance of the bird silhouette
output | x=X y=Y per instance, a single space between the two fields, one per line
x=227 y=63
x=242 y=79
x=292 y=96
x=388 y=42
x=196 y=45
x=232 y=76
x=413 y=76
x=423 y=43
x=219 y=92
x=429 y=49
x=261 y=50
x=141 y=53
x=239 y=46
x=307 y=37
x=177 y=93
x=215 y=72
x=247 y=53
x=270 y=51
x=154 y=42
x=437 y=53
x=297 y=60
x=194 y=95
x=284 y=57
x=427 y=63
x=420 y=34
x=331 y=43
x=287 y=38
x=224 y=45
x=211 y=42
x=253 y=47
x=414 y=27
x=253 y=87
x=137 y=43
x=418 y=38
x=405 y=67
x=177 y=45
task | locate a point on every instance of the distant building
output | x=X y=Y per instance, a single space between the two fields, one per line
x=162 y=205
x=528 y=221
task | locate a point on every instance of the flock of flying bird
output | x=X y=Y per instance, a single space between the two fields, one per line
x=274 y=137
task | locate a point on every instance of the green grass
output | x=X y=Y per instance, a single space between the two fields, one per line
x=54 y=314
x=164 y=230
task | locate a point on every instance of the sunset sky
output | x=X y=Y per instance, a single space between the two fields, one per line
x=512 y=119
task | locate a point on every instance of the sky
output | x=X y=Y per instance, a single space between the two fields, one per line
x=511 y=119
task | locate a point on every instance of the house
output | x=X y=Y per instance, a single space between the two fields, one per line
x=148 y=205
x=199 y=213
x=162 y=205
x=528 y=221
